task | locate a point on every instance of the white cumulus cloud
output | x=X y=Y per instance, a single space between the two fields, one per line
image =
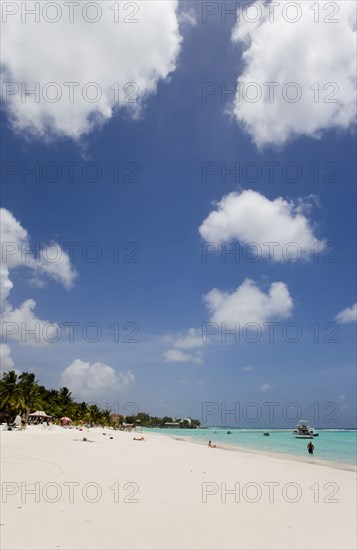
x=16 y=251
x=265 y=387
x=55 y=263
x=193 y=339
x=85 y=71
x=21 y=323
x=278 y=230
x=249 y=304
x=347 y=315
x=310 y=54
x=6 y=360
x=185 y=348
x=179 y=356
x=188 y=18
x=94 y=381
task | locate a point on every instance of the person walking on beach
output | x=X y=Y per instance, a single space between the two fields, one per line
x=310 y=448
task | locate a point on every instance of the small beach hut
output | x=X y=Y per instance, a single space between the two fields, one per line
x=38 y=416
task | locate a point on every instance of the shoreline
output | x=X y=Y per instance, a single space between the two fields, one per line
x=113 y=493
x=278 y=454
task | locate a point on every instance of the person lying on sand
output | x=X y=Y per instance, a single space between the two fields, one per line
x=212 y=446
x=138 y=439
x=85 y=440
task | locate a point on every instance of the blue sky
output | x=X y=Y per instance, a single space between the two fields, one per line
x=163 y=291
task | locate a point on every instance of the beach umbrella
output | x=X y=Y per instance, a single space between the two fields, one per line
x=65 y=420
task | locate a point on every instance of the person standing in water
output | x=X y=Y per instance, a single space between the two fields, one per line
x=310 y=448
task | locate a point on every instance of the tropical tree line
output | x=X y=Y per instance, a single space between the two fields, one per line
x=145 y=420
x=22 y=394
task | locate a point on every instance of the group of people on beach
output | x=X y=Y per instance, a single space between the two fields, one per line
x=20 y=423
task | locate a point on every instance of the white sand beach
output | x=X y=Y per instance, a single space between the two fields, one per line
x=165 y=493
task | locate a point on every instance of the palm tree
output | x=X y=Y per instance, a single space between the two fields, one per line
x=11 y=392
x=65 y=398
x=105 y=417
x=80 y=411
x=94 y=414
x=30 y=392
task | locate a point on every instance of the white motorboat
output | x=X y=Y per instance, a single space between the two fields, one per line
x=303 y=431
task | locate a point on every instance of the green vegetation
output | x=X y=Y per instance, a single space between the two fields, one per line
x=147 y=421
x=23 y=395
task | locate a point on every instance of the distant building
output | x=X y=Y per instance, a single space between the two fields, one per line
x=187 y=420
x=178 y=422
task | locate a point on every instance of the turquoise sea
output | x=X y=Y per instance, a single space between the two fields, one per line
x=338 y=446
